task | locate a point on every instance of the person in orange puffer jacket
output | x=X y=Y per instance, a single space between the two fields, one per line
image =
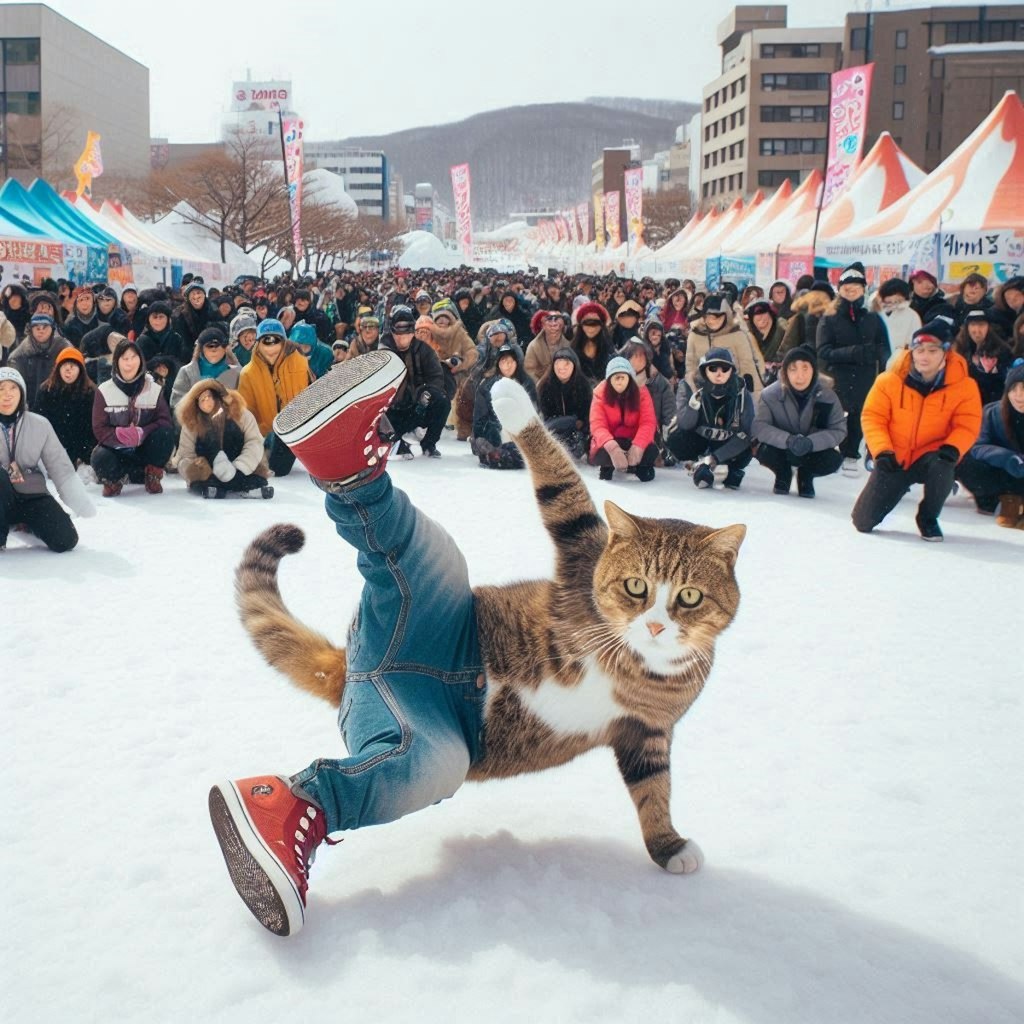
x=919 y=420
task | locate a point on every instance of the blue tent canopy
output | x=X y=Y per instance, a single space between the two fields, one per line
x=17 y=206
x=72 y=222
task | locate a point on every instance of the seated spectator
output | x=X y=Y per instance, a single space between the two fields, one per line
x=274 y=376
x=161 y=339
x=453 y=346
x=892 y=300
x=27 y=441
x=319 y=356
x=781 y=298
x=763 y=325
x=242 y=335
x=993 y=470
x=717 y=330
x=132 y=423
x=988 y=357
x=919 y=420
x=808 y=307
x=653 y=336
x=622 y=424
x=973 y=297
x=563 y=398
x=496 y=334
x=714 y=419
x=628 y=315
x=211 y=360
x=367 y=337
x=1008 y=304
x=676 y=312
x=421 y=400
x=550 y=335
x=926 y=300
x=65 y=400
x=220 y=450
x=487 y=444
x=163 y=370
x=799 y=425
x=35 y=357
x=662 y=396
x=592 y=341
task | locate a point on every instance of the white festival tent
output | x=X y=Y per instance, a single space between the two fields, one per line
x=968 y=211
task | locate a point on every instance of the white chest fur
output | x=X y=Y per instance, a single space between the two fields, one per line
x=587 y=707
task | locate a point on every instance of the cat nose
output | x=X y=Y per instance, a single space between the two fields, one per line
x=655 y=628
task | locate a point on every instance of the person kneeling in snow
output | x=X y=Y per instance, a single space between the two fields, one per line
x=714 y=420
x=799 y=425
x=221 y=447
x=26 y=440
x=487 y=443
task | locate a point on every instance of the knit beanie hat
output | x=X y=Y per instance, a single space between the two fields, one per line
x=853 y=274
x=303 y=334
x=894 y=286
x=823 y=286
x=402 y=316
x=918 y=274
x=716 y=302
x=270 y=326
x=70 y=353
x=1015 y=375
x=501 y=326
x=243 y=322
x=43 y=319
x=10 y=373
x=211 y=336
x=617 y=364
x=936 y=332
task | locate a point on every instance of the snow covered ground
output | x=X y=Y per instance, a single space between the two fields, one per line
x=853 y=773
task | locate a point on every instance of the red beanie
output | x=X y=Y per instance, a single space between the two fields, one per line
x=592 y=309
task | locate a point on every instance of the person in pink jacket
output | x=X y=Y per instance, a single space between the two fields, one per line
x=622 y=424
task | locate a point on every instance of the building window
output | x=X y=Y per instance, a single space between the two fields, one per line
x=897 y=110
x=859 y=39
x=767 y=51
x=743 y=84
x=707 y=105
x=961 y=32
x=739 y=181
x=772 y=179
x=800 y=82
x=707 y=188
x=901 y=39
x=938 y=69
x=786 y=115
x=792 y=147
x=899 y=74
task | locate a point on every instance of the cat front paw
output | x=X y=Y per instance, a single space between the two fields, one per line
x=512 y=405
x=687 y=860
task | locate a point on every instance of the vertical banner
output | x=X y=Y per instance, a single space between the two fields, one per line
x=847 y=120
x=612 y=217
x=291 y=139
x=463 y=222
x=634 y=187
x=560 y=231
x=599 y=219
x=583 y=216
x=89 y=165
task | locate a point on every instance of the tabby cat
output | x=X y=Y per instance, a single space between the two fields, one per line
x=611 y=652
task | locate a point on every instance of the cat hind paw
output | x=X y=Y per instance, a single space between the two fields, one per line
x=512 y=405
x=688 y=860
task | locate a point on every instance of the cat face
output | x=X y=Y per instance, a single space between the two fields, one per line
x=667 y=587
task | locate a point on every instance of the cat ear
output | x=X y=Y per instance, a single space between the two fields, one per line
x=726 y=542
x=622 y=524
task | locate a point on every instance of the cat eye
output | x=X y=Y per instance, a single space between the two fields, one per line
x=690 y=597
x=636 y=587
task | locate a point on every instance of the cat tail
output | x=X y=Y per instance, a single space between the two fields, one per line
x=306 y=657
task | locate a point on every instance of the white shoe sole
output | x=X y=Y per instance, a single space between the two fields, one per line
x=265 y=886
x=354 y=380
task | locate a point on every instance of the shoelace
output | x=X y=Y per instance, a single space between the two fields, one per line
x=308 y=836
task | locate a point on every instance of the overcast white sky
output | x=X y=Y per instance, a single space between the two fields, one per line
x=370 y=68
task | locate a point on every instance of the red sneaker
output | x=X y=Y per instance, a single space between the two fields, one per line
x=332 y=425
x=154 y=474
x=112 y=488
x=268 y=837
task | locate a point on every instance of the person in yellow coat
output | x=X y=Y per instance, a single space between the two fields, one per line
x=275 y=374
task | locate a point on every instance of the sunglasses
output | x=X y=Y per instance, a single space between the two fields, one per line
x=552 y=319
x=717 y=368
x=591 y=323
x=629 y=312
x=402 y=330
x=271 y=341
x=214 y=344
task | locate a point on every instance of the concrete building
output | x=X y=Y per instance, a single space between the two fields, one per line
x=938 y=71
x=765 y=118
x=364 y=171
x=57 y=83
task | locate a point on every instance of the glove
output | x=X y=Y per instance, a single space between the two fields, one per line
x=617 y=455
x=886 y=462
x=423 y=401
x=799 y=445
x=949 y=454
x=1016 y=466
x=130 y=437
x=223 y=468
x=694 y=402
x=78 y=500
x=634 y=455
x=454 y=361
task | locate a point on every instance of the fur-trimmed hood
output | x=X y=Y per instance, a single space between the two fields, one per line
x=188 y=412
x=813 y=302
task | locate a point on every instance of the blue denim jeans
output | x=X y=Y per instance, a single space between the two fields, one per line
x=413 y=707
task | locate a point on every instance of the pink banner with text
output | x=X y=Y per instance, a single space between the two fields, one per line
x=847 y=121
x=463 y=221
